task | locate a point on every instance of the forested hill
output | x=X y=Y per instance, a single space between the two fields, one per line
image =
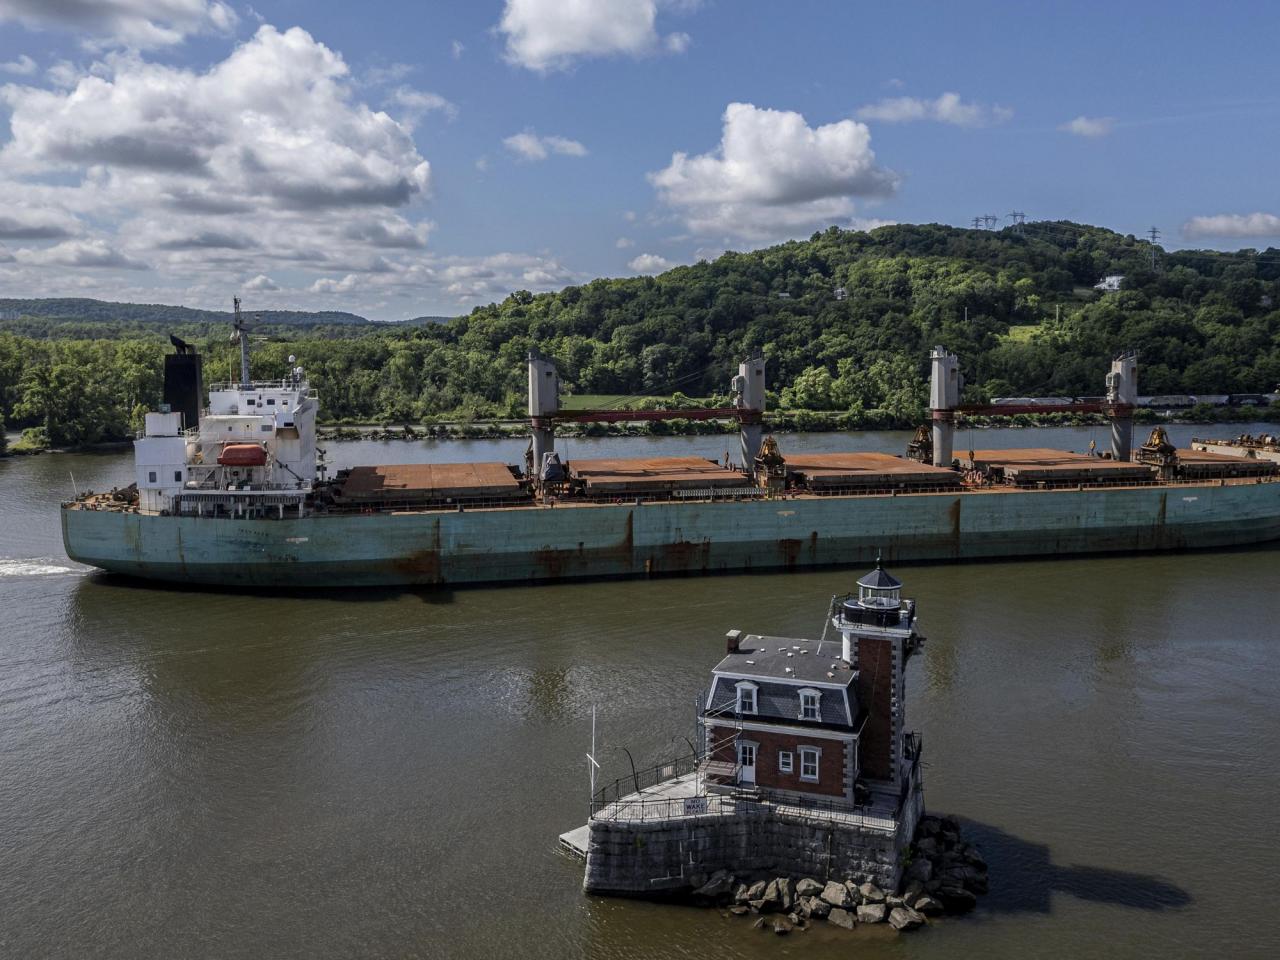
x=846 y=320
x=85 y=310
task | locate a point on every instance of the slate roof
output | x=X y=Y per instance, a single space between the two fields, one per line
x=880 y=579
x=780 y=667
x=782 y=658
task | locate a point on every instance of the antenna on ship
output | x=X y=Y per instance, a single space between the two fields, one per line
x=241 y=334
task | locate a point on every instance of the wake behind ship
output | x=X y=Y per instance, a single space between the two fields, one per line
x=234 y=493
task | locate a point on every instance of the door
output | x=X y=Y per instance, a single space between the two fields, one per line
x=746 y=763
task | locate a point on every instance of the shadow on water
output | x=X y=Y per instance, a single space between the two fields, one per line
x=1024 y=878
x=434 y=596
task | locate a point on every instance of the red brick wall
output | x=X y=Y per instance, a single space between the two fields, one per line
x=875 y=694
x=831 y=762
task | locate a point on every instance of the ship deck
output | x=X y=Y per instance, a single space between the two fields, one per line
x=648 y=474
x=863 y=469
x=428 y=481
x=1035 y=465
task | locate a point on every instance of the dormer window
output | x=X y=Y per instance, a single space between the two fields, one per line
x=809 y=708
x=746 y=697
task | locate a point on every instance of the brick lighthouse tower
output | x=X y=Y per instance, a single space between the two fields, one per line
x=878 y=631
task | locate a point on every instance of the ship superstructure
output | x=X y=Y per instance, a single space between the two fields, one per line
x=234 y=493
x=250 y=453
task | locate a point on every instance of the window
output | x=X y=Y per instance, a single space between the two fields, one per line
x=809 y=764
x=177 y=476
x=151 y=477
x=249 y=401
x=266 y=428
x=786 y=761
x=746 y=697
x=271 y=402
x=809 y=705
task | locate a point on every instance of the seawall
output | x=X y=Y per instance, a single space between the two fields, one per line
x=666 y=856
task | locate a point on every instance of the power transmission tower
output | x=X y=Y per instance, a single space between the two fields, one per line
x=990 y=219
x=977 y=223
x=1154 y=234
x=1019 y=218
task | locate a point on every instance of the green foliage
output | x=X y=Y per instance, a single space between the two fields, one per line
x=33 y=440
x=1018 y=307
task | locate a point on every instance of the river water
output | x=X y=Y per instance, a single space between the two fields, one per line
x=193 y=773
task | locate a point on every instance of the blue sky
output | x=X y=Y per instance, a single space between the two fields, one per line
x=399 y=158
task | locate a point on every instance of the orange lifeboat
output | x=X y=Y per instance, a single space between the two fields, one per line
x=243 y=455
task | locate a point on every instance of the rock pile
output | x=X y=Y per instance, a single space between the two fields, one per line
x=943 y=874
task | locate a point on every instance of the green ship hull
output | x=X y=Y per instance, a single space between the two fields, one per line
x=528 y=544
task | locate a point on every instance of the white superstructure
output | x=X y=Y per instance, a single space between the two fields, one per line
x=254 y=450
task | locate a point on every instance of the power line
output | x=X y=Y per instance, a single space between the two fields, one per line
x=1154 y=234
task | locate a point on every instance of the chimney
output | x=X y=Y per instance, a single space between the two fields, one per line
x=732 y=641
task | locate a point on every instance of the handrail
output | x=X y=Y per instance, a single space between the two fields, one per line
x=612 y=804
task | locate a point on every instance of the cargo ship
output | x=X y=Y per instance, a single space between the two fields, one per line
x=235 y=493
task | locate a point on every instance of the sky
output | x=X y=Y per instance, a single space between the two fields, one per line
x=399 y=158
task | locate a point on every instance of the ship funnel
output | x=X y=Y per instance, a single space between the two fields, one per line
x=184 y=385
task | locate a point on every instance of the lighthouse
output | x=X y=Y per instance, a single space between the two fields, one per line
x=878 y=633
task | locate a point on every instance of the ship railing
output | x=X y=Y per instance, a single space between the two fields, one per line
x=286 y=383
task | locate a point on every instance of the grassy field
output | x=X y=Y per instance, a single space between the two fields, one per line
x=1021 y=333
x=606 y=401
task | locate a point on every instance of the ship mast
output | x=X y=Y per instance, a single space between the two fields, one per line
x=243 y=334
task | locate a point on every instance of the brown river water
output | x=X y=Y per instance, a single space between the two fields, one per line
x=194 y=773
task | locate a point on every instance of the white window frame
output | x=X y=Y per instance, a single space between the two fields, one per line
x=786 y=761
x=805 y=753
x=817 y=703
x=754 y=692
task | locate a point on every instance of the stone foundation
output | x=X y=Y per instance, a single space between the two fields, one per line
x=675 y=855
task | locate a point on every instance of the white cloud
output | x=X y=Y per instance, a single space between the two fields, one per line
x=24 y=66
x=80 y=253
x=457 y=48
x=773 y=176
x=530 y=146
x=20 y=221
x=420 y=102
x=265 y=164
x=272 y=124
x=623 y=243
x=472 y=279
x=1089 y=126
x=547 y=35
x=629 y=216
x=1233 y=225
x=676 y=42
x=947 y=108
x=649 y=263
x=64 y=74
x=329 y=285
x=260 y=283
x=135 y=23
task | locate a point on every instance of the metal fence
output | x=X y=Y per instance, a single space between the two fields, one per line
x=652 y=794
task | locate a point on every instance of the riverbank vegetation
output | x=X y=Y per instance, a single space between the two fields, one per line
x=846 y=320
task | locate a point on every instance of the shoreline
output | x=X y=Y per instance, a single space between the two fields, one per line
x=789 y=422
